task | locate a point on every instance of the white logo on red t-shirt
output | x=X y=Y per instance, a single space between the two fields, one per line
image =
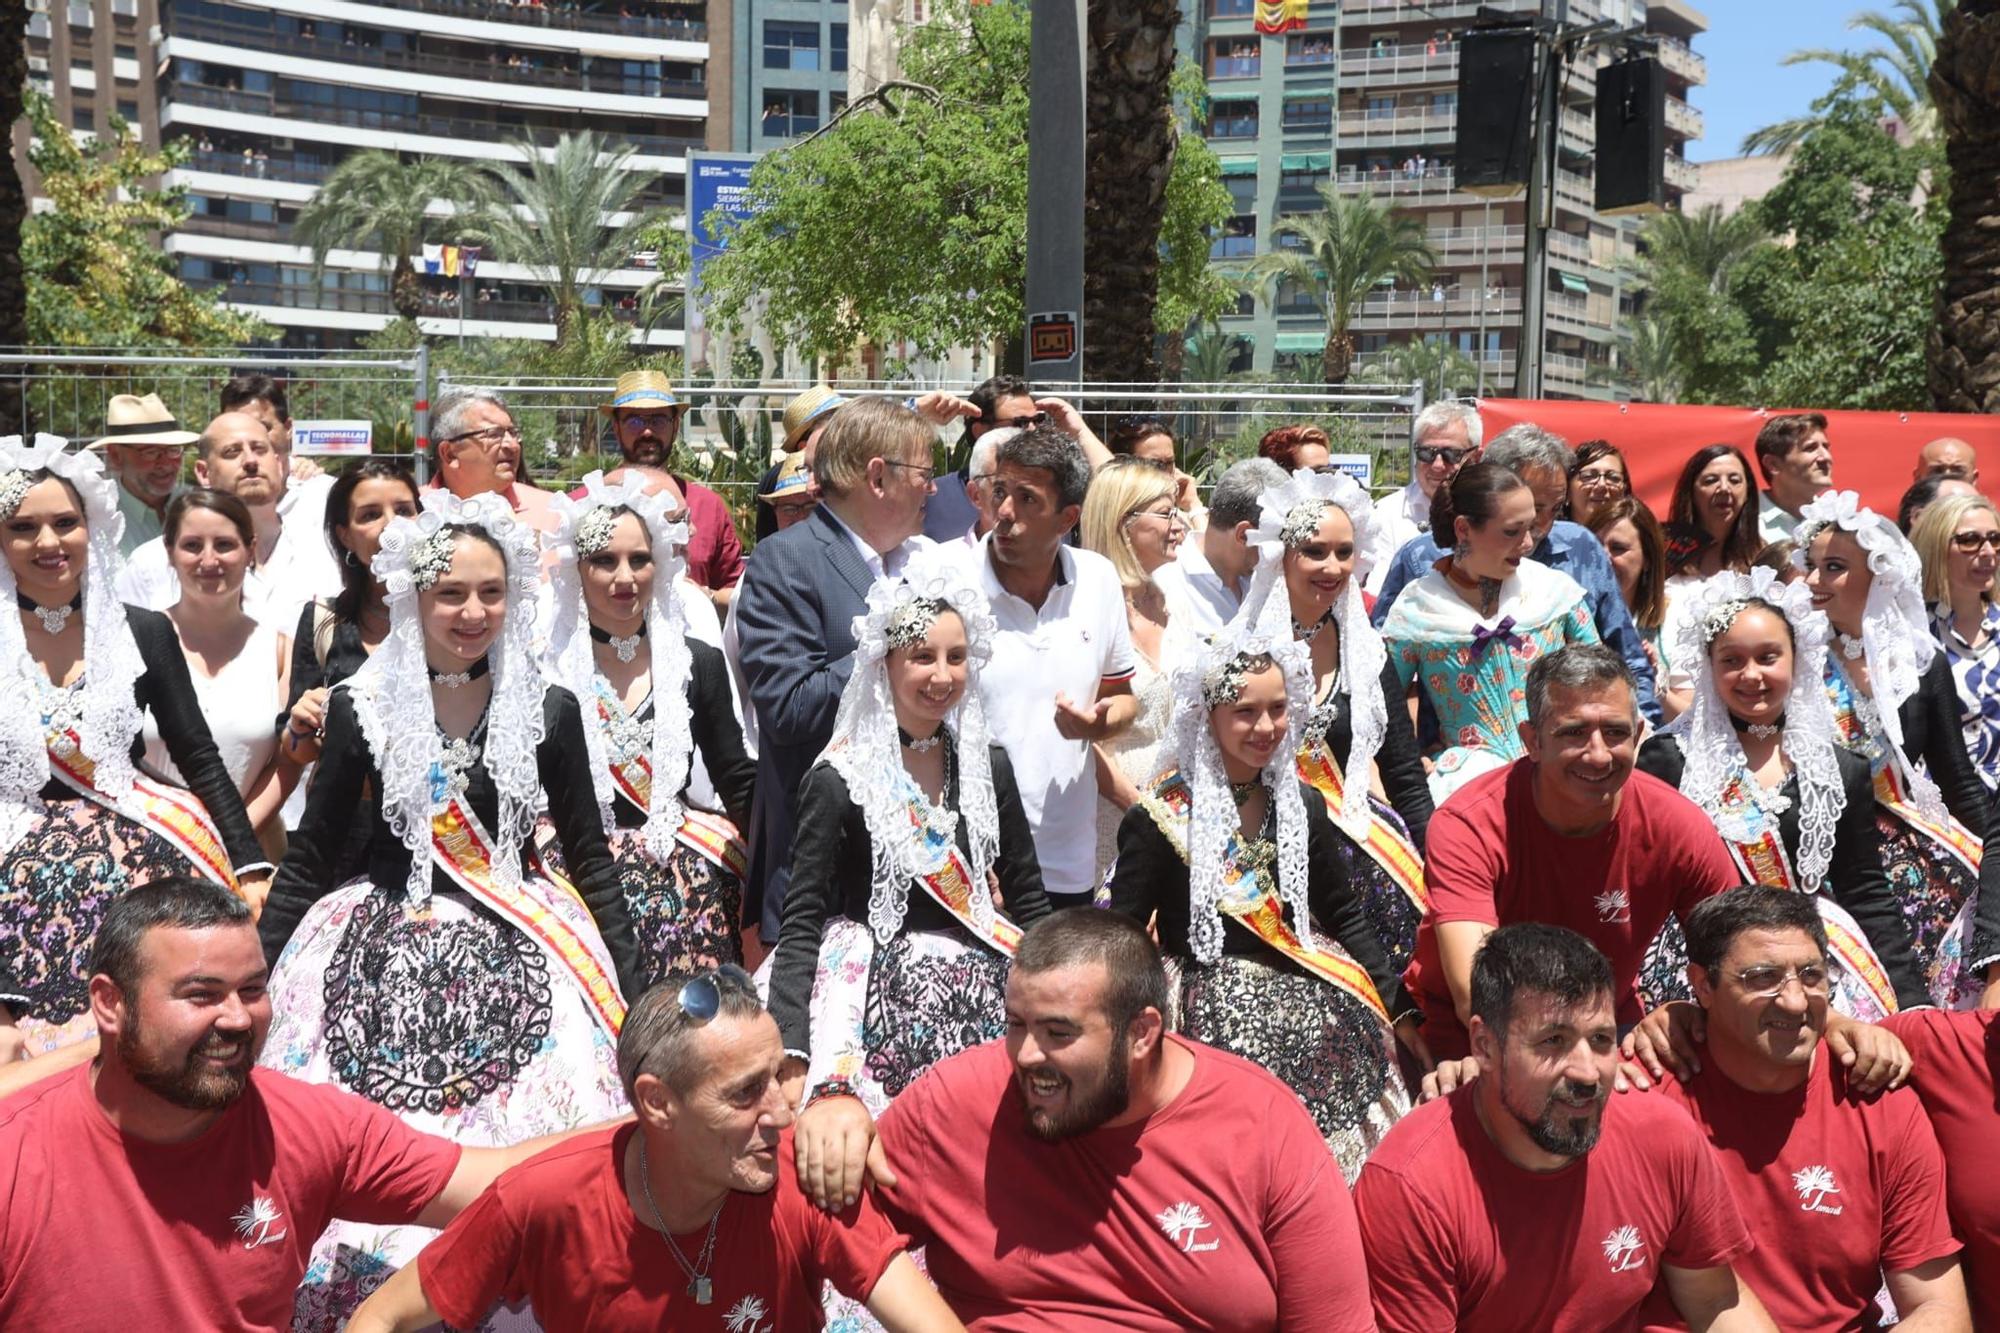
x=1814 y=1184
x=257 y=1222
x=748 y=1316
x=1184 y=1223
x=1624 y=1248
x=1613 y=905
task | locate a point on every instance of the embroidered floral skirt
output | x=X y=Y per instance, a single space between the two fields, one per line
x=56 y=884
x=1329 y=1047
x=464 y=1025
x=687 y=912
x=1391 y=911
x=1938 y=893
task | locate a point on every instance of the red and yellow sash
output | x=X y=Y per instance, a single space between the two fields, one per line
x=173 y=813
x=950 y=887
x=461 y=845
x=1385 y=845
x=710 y=835
x=1952 y=836
x=1263 y=915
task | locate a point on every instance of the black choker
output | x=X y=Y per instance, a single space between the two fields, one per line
x=627 y=649
x=54 y=618
x=1761 y=730
x=928 y=743
x=453 y=680
x=1243 y=791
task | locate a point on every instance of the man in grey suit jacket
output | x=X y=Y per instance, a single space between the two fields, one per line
x=795 y=611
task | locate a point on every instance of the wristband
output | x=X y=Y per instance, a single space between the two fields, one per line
x=832 y=1087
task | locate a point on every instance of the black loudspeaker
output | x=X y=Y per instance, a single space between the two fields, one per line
x=1632 y=137
x=1496 y=111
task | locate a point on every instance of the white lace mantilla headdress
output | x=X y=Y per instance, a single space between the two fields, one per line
x=1896 y=637
x=109 y=714
x=868 y=755
x=1709 y=744
x=1289 y=516
x=1207 y=678
x=392 y=691
x=583 y=526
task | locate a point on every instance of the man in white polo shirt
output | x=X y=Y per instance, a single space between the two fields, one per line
x=1061 y=672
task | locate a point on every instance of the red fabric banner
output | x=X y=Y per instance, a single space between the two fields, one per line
x=1873 y=452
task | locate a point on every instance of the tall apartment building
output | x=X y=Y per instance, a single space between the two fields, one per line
x=1365 y=96
x=790 y=72
x=271 y=94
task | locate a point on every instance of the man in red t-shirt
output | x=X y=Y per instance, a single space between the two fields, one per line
x=1569 y=835
x=689 y=1219
x=1840 y=1189
x=174 y=1185
x=1091 y=1173
x=1524 y=1201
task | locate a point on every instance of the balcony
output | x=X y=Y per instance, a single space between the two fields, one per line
x=1684 y=119
x=1235 y=67
x=1374 y=129
x=1393 y=181
x=1422 y=62
x=343 y=300
x=1682 y=174
x=1586 y=316
x=1680 y=58
x=570 y=20
x=1400 y=11
x=267 y=168
x=1460 y=307
x=444 y=127
x=1466 y=244
x=543 y=70
x=1577 y=250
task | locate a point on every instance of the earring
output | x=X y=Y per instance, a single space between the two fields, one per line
x=347 y=558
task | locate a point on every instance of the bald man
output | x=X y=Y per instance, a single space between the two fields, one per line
x=1947 y=457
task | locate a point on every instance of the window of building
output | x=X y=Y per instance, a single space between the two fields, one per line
x=1237 y=240
x=1379 y=108
x=836 y=102
x=129 y=110
x=1309 y=115
x=1235 y=58
x=789 y=113
x=125 y=51
x=1242 y=189
x=1310 y=48
x=1443 y=104
x=82 y=118
x=791 y=45
x=1231 y=9
x=1293 y=299
x=836 y=46
x=1246 y=305
x=1303 y=180
x=1234 y=119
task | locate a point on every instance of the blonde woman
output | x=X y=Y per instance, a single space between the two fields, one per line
x=1130 y=518
x=1958 y=540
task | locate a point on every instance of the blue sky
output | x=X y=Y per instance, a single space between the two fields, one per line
x=1747 y=87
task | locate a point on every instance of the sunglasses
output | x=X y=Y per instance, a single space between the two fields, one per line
x=1019 y=423
x=1970 y=542
x=656 y=422
x=701 y=999
x=1431 y=453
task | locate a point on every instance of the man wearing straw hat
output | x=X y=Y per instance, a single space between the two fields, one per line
x=646 y=418
x=804 y=422
x=143 y=445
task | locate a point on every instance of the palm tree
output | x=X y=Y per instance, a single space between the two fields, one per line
x=1649 y=361
x=1965 y=339
x=556 y=219
x=1350 y=248
x=1438 y=365
x=1707 y=245
x=1899 y=75
x=13 y=207
x=374 y=200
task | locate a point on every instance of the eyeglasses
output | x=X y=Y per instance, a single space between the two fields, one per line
x=1601 y=477
x=1431 y=453
x=489 y=437
x=928 y=472
x=1971 y=542
x=1019 y=423
x=1174 y=517
x=1765 y=983
x=657 y=421
x=701 y=999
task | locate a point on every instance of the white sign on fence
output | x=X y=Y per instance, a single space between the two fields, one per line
x=333 y=439
x=1361 y=467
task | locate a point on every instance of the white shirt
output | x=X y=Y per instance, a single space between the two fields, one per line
x=880 y=563
x=1774 y=523
x=1209 y=598
x=1398 y=518
x=301 y=566
x=1074 y=643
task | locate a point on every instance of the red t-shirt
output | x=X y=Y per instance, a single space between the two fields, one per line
x=1957 y=1057
x=101 y=1230
x=558 y=1232
x=1491 y=858
x=1222 y=1211
x=1840 y=1188
x=1457 y=1235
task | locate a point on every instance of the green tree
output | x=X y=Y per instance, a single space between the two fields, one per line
x=376 y=200
x=1964 y=350
x=1898 y=76
x=555 y=217
x=96 y=274
x=13 y=206
x=1443 y=370
x=1694 y=341
x=1350 y=247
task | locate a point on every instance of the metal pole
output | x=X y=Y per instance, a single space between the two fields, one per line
x=1535 y=241
x=1485 y=289
x=420 y=415
x=1055 y=183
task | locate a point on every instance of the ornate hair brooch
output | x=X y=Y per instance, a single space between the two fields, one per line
x=1302 y=522
x=431 y=558
x=14 y=487
x=1721 y=616
x=911 y=621
x=1223 y=682
x=593 y=530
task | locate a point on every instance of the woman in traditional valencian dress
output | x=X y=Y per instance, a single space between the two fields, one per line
x=1231 y=857
x=477 y=1000
x=652 y=698
x=1894 y=703
x=1317 y=536
x=1756 y=752
x=893 y=952
x=78 y=824
x=1466 y=633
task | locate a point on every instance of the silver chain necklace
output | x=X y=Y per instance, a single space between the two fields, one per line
x=699 y=1286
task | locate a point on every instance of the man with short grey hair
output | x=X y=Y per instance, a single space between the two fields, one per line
x=478 y=450
x=1542 y=459
x=1569 y=835
x=1444 y=438
x=1213 y=573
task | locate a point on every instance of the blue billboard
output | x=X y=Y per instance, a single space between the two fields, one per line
x=715 y=181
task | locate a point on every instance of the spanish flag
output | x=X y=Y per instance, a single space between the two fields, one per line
x=1276 y=16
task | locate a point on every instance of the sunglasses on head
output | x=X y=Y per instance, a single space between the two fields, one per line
x=701 y=999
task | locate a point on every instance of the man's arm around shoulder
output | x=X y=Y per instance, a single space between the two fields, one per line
x=1715 y=1300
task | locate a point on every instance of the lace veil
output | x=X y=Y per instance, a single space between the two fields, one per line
x=1896 y=637
x=1708 y=739
x=1288 y=516
x=866 y=752
x=110 y=710
x=392 y=692
x=1198 y=677
x=572 y=664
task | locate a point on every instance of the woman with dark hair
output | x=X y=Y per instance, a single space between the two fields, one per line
x=1466 y=633
x=1598 y=478
x=238 y=666
x=1712 y=525
x=1294 y=447
x=1925 y=492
